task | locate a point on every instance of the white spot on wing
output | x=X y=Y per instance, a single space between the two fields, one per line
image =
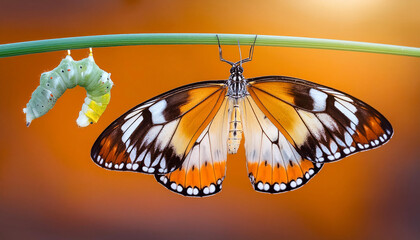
x=165 y=135
x=212 y=188
x=348 y=139
x=141 y=156
x=338 y=140
x=282 y=186
x=151 y=135
x=325 y=149
x=147 y=159
x=319 y=99
x=333 y=147
x=318 y=152
x=348 y=105
x=133 y=155
x=346 y=112
x=328 y=121
x=131 y=114
x=130 y=129
x=157 y=111
x=135 y=166
x=127 y=124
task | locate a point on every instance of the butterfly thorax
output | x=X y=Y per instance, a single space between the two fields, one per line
x=236 y=83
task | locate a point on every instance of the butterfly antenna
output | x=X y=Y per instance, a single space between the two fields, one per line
x=240 y=54
x=220 y=52
x=251 y=51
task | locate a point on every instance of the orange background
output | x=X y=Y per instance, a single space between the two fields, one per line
x=50 y=189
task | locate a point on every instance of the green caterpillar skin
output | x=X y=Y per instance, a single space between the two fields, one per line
x=69 y=74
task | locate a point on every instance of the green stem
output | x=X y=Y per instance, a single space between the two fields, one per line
x=22 y=48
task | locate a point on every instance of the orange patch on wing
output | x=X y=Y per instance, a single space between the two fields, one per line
x=195 y=121
x=294 y=172
x=178 y=176
x=375 y=126
x=195 y=96
x=282 y=115
x=108 y=153
x=192 y=178
x=264 y=173
x=305 y=165
x=120 y=158
x=279 y=174
x=219 y=169
x=281 y=90
x=370 y=135
x=199 y=177
x=207 y=175
x=359 y=138
x=252 y=168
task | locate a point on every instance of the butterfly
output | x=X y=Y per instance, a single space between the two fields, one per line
x=291 y=128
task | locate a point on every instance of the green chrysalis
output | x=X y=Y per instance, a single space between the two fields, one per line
x=69 y=74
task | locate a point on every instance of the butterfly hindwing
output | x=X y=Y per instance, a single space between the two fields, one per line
x=323 y=124
x=203 y=170
x=273 y=163
x=156 y=136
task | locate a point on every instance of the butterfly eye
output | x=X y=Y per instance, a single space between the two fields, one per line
x=240 y=69
x=232 y=70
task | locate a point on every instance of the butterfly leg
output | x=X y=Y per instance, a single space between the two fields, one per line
x=220 y=52
x=251 y=52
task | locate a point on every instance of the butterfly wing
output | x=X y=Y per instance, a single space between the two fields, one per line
x=156 y=136
x=323 y=124
x=203 y=170
x=273 y=163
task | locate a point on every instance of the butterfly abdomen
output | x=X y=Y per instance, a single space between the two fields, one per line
x=69 y=74
x=235 y=128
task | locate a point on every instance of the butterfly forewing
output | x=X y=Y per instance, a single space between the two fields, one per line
x=203 y=170
x=323 y=124
x=156 y=136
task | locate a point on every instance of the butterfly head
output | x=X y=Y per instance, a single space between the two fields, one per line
x=236 y=72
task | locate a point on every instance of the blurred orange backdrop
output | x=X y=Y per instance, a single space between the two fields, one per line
x=50 y=188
